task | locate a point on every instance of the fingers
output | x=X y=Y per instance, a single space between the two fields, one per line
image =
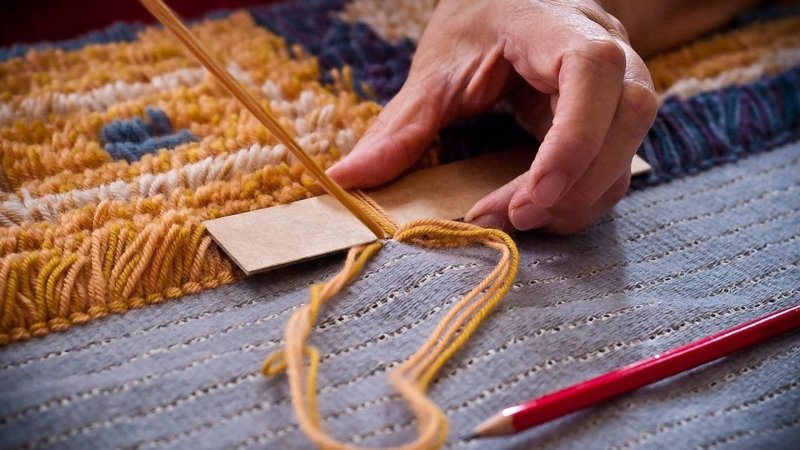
x=588 y=75
x=402 y=131
x=572 y=220
x=452 y=73
x=590 y=84
x=606 y=179
x=635 y=114
x=493 y=211
x=585 y=92
x=605 y=104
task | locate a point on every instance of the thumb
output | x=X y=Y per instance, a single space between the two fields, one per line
x=401 y=133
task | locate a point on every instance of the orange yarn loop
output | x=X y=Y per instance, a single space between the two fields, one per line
x=411 y=379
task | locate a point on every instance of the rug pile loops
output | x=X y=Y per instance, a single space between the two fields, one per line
x=116 y=146
x=106 y=181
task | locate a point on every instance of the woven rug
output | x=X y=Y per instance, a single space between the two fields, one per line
x=117 y=145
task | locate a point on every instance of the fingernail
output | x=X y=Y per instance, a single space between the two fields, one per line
x=488 y=221
x=473 y=213
x=338 y=172
x=529 y=216
x=550 y=188
x=336 y=167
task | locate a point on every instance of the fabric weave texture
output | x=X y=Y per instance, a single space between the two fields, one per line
x=671 y=264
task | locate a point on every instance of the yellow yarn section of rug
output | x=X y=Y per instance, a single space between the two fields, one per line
x=411 y=379
x=739 y=48
x=84 y=233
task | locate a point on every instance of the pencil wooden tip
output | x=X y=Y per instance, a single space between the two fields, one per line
x=497 y=425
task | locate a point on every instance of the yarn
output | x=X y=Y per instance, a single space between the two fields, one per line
x=69 y=211
x=720 y=126
x=394 y=20
x=379 y=68
x=114 y=153
x=772 y=63
x=83 y=235
x=711 y=57
x=132 y=139
x=412 y=378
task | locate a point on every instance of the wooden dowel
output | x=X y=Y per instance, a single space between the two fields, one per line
x=170 y=20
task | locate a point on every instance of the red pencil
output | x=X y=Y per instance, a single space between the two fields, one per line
x=628 y=378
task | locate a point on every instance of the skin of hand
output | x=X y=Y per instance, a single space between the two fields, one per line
x=573 y=80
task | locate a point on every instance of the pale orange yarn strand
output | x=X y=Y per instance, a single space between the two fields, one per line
x=411 y=379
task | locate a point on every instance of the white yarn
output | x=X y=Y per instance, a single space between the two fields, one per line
x=98 y=99
x=313 y=128
x=393 y=20
x=17 y=209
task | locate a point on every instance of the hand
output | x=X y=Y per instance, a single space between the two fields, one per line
x=572 y=79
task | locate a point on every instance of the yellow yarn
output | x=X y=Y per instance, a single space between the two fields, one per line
x=71 y=250
x=717 y=54
x=411 y=379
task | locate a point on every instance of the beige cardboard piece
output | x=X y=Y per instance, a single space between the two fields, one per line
x=284 y=234
x=639 y=166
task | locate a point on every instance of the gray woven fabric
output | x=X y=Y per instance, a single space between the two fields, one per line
x=670 y=264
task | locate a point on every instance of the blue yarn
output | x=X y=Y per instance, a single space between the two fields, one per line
x=299 y=23
x=133 y=138
x=381 y=65
x=724 y=125
x=764 y=14
x=159 y=122
x=687 y=136
x=788 y=87
x=136 y=130
x=133 y=151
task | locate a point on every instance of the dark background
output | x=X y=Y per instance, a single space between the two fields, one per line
x=28 y=21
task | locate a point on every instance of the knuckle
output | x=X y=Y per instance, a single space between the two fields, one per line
x=617 y=26
x=619 y=189
x=641 y=103
x=598 y=15
x=581 y=197
x=566 y=226
x=577 y=146
x=641 y=99
x=605 y=54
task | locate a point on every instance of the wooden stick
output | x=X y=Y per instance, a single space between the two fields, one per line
x=171 y=21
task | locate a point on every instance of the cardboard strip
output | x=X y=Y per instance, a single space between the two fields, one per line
x=285 y=234
x=639 y=166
